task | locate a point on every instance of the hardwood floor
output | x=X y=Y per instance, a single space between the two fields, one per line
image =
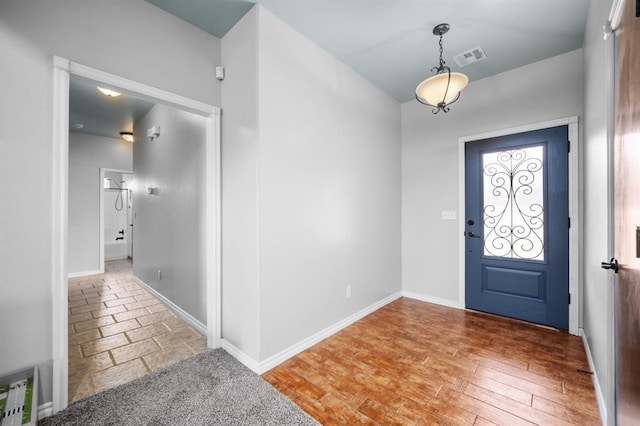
x=417 y=363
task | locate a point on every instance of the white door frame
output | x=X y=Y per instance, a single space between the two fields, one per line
x=575 y=210
x=104 y=170
x=606 y=397
x=62 y=69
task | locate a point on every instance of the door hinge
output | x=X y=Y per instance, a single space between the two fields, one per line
x=569 y=298
x=569 y=220
x=568 y=146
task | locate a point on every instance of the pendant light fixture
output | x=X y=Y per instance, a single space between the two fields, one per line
x=443 y=88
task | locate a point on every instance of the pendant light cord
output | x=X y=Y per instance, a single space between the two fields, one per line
x=442 y=67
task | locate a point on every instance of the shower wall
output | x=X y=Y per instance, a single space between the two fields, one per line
x=87 y=154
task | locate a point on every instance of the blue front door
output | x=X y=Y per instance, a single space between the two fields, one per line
x=517 y=226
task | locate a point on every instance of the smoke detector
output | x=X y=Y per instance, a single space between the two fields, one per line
x=470 y=56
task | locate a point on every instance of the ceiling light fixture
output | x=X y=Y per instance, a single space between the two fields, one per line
x=127 y=136
x=109 y=92
x=443 y=88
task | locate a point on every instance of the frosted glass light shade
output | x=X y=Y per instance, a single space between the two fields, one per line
x=109 y=92
x=127 y=136
x=433 y=89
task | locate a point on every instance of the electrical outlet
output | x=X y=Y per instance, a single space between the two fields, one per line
x=348 y=291
x=448 y=215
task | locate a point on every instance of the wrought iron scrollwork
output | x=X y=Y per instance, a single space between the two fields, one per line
x=513 y=208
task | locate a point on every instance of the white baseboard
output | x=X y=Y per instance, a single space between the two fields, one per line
x=435 y=300
x=596 y=384
x=282 y=356
x=187 y=317
x=245 y=359
x=85 y=273
x=45 y=410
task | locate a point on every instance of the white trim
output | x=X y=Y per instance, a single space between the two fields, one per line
x=435 y=300
x=45 y=410
x=59 y=236
x=103 y=170
x=615 y=15
x=238 y=354
x=610 y=361
x=602 y=406
x=520 y=129
x=575 y=209
x=575 y=232
x=282 y=356
x=84 y=273
x=186 y=316
x=213 y=232
x=62 y=68
x=461 y=224
x=143 y=91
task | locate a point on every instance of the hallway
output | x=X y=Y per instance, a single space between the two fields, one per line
x=118 y=332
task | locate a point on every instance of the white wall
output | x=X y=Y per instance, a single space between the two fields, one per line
x=542 y=91
x=240 y=140
x=329 y=188
x=87 y=154
x=169 y=225
x=320 y=180
x=129 y=38
x=598 y=297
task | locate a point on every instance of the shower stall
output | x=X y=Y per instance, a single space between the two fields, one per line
x=117 y=210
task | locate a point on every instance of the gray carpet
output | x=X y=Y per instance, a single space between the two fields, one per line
x=211 y=388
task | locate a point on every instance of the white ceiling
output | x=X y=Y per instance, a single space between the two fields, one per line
x=390 y=42
x=101 y=115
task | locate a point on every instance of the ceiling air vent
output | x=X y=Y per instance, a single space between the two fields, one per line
x=470 y=56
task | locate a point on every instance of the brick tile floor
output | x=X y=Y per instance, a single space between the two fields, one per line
x=118 y=332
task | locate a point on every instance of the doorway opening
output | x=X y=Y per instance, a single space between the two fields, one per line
x=116 y=215
x=208 y=193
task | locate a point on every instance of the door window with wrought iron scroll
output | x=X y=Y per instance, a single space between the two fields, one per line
x=513 y=203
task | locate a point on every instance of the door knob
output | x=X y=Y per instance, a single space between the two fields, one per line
x=471 y=234
x=612 y=264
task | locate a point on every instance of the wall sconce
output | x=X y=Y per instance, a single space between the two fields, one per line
x=153 y=133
